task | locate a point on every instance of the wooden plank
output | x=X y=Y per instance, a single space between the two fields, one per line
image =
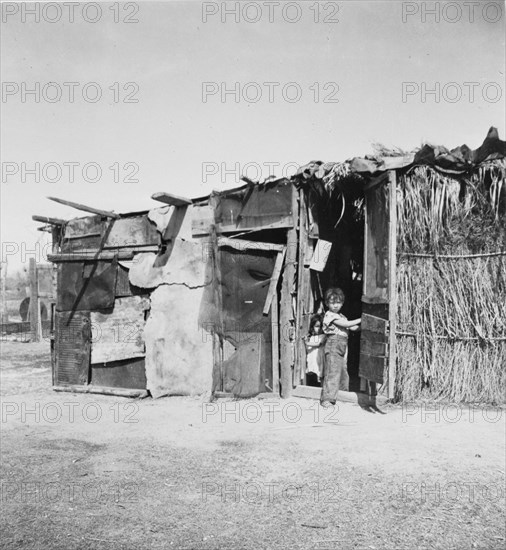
x=83 y=255
x=256 y=223
x=175 y=222
x=173 y=200
x=273 y=285
x=303 y=284
x=101 y=390
x=275 y=344
x=286 y=315
x=51 y=221
x=392 y=281
x=243 y=245
x=85 y=236
x=203 y=219
x=84 y=208
x=217 y=295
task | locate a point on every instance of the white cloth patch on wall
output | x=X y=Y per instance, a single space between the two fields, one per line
x=320 y=255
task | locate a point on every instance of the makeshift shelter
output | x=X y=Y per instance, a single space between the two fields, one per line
x=433 y=300
x=219 y=290
x=126 y=318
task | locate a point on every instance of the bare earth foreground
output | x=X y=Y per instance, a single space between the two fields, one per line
x=93 y=471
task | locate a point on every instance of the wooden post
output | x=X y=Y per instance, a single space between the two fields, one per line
x=217 y=295
x=286 y=314
x=35 y=322
x=392 y=281
x=303 y=287
x=275 y=344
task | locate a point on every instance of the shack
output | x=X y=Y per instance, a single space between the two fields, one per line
x=216 y=293
x=125 y=318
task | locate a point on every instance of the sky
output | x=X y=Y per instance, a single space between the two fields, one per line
x=185 y=97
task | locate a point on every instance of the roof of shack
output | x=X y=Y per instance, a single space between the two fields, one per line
x=455 y=162
x=452 y=162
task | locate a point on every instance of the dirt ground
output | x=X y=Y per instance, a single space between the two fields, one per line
x=90 y=471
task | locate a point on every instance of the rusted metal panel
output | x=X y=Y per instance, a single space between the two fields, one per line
x=255 y=206
x=242 y=371
x=138 y=231
x=83 y=226
x=250 y=207
x=119 y=334
x=372 y=367
x=373 y=347
x=72 y=348
x=88 y=233
x=370 y=347
x=127 y=374
x=77 y=245
x=376 y=337
x=85 y=286
x=374 y=324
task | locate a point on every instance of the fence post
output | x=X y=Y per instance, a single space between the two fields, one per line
x=35 y=321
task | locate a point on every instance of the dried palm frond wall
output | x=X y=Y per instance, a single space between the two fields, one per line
x=451 y=277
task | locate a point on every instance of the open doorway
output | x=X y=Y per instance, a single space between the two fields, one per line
x=339 y=215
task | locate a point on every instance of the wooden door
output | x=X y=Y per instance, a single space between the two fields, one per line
x=246 y=278
x=377 y=343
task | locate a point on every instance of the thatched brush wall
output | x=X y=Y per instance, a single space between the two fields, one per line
x=451 y=276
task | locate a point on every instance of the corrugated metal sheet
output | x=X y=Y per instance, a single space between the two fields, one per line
x=72 y=348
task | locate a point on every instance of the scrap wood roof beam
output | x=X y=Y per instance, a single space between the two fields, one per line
x=50 y=221
x=97 y=255
x=172 y=200
x=84 y=208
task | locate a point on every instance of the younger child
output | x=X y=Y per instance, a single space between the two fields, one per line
x=315 y=345
x=336 y=327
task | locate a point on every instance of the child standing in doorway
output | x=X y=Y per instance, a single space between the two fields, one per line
x=335 y=327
